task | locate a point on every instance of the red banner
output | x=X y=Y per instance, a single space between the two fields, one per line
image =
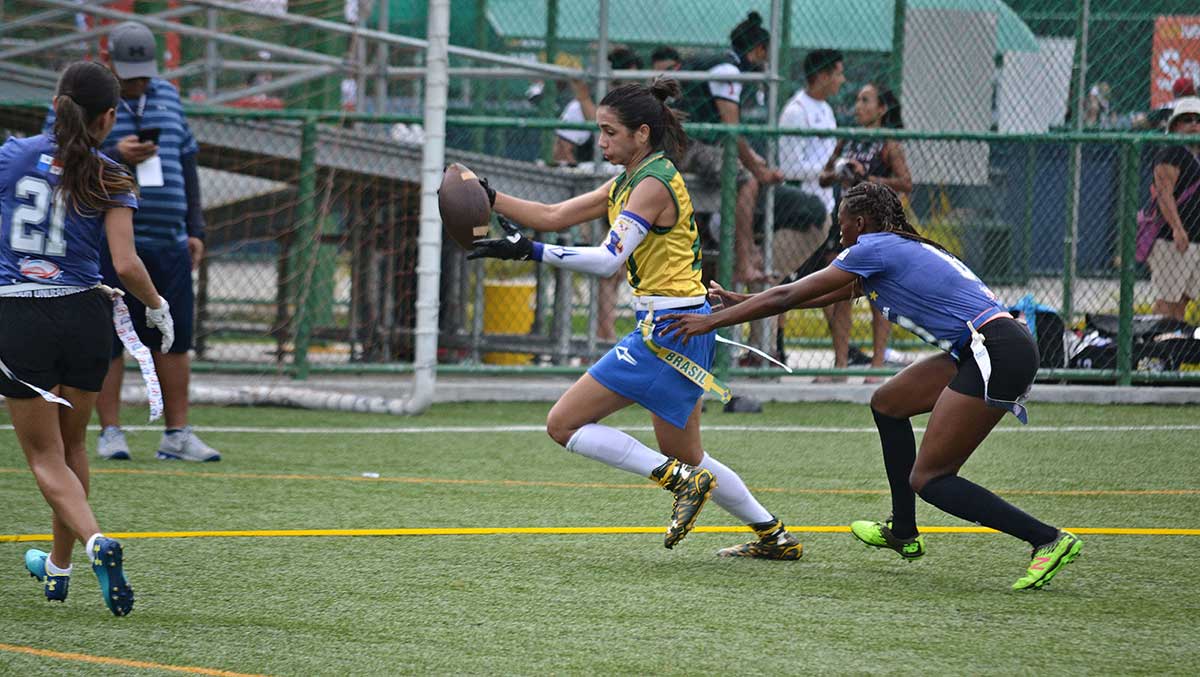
x=1176 y=54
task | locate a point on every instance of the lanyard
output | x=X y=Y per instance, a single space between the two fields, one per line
x=137 y=115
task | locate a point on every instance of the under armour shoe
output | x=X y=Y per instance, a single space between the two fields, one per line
x=692 y=487
x=184 y=445
x=56 y=587
x=774 y=542
x=879 y=535
x=107 y=558
x=112 y=444
x=1048 y=559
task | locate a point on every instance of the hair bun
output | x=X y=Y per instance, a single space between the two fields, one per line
x=754 y=18
x=665 y=89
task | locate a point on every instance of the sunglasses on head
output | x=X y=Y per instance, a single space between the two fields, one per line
x=1188 y=118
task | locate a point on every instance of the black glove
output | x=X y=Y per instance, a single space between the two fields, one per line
x=512 y=247
x=491 y=192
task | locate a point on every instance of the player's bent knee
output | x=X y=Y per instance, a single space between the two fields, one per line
x=886 y=401
x=559 y=429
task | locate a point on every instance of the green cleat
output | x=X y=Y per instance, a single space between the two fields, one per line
x=879 y=535
x=1048 y=559
x=692 y=487
x=774 y=542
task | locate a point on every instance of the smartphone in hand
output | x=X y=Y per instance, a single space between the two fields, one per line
x=149 y=134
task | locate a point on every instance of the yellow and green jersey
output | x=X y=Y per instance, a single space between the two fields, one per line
x=667 y=262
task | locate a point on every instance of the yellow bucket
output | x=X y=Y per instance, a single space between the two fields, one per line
x=508 y=309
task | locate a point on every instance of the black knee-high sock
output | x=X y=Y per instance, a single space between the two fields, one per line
x=899 y=453
x=967 y=500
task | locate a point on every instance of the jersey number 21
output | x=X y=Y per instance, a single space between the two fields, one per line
x=53 y=242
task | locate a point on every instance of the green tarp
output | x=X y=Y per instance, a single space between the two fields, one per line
x=861 y=25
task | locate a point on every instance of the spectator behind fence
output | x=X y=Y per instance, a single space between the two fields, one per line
x=665 y=58
x=152 y=137
x=572 y=146
x=1174 y=259
x=721 y=101
x=875 y=161
x=1182 y=87
x=802 y=158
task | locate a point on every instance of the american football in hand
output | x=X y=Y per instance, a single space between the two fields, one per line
x=463 y=203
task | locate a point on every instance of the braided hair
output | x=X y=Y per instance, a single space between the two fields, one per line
x=880 y=206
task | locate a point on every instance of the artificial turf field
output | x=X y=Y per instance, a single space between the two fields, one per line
x=607 y=603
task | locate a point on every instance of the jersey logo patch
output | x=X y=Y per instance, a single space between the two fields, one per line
x=614 y=243
x=46 y=163
x=624 y=356
x=842 y=256
x=38 y=269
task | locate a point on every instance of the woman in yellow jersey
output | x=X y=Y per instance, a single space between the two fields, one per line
x=653 y=234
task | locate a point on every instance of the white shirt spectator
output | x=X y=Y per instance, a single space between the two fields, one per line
x=730 y=90
x=573 y=112
x=803 y=157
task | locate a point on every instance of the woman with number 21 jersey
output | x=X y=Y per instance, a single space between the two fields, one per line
x=58 y=197
x=653 y=234
x=988 y=364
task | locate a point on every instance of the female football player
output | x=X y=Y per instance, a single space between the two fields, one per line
x=653 y=234
x=989 y=362
x=58 y=197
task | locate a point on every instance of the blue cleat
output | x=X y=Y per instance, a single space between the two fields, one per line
x=107 y=556
x=56 y=587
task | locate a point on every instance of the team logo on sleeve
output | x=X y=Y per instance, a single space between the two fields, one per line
x=38 y=269
x=614 y=243
x=47 y=163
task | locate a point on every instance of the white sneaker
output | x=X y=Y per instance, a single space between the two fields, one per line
x=183 y=445
x=112 y=444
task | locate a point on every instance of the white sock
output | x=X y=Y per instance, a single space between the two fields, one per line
x=91 y=542
x=732 y=495
x=613 y=447
x=53 y=569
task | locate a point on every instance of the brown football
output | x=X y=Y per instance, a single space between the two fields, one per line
x=464 y=206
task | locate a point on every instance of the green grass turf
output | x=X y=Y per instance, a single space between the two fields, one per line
x=609 y=604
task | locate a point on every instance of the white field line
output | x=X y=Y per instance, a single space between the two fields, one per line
x=419 y=430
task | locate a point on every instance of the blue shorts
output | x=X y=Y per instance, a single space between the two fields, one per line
x=170 y=269
x=631 y=370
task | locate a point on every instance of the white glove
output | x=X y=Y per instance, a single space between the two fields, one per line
x=160 y=319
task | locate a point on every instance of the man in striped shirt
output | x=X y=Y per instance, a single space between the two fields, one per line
x=152 y=137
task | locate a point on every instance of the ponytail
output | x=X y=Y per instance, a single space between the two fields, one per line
x=88 y=183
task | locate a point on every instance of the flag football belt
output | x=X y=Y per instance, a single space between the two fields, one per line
x=129 y=338
x=984 y=360
x=682 y=363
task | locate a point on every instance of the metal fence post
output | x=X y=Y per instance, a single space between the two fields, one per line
x=307 y=241
x=1131 y=154
x=729 y=170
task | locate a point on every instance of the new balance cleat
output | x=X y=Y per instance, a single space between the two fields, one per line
x=184 y=445
x=773 y=543
x=692 y=487
x=107 y=558
x=879 y=535
x=1048 y=559
x=56 y=587
x=112 y=444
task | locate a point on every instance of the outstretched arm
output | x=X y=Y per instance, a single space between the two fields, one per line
x=553 y=218
x=826 y=285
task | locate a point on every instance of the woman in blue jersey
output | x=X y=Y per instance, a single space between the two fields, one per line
x=58 y=197
x=653 y=235
x=989 y=362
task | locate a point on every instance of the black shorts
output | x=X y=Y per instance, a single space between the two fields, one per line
x=1014 y=356
x=170 y=270
x=64 y=340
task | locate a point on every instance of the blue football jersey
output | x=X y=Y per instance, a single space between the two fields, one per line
x=920 y=287
x=42 y=239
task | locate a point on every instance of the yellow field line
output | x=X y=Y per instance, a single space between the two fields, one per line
x=496 y=531
x=588 y=485
x=104 y=660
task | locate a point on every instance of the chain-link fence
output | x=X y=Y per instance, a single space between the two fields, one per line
x=1029 y=140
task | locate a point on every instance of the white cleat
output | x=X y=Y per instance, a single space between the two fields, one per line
x=185 y=446
x=112 y=444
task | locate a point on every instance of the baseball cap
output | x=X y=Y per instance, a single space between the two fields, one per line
x=1185 y=106
x=1183 y=87
x=132 y=50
